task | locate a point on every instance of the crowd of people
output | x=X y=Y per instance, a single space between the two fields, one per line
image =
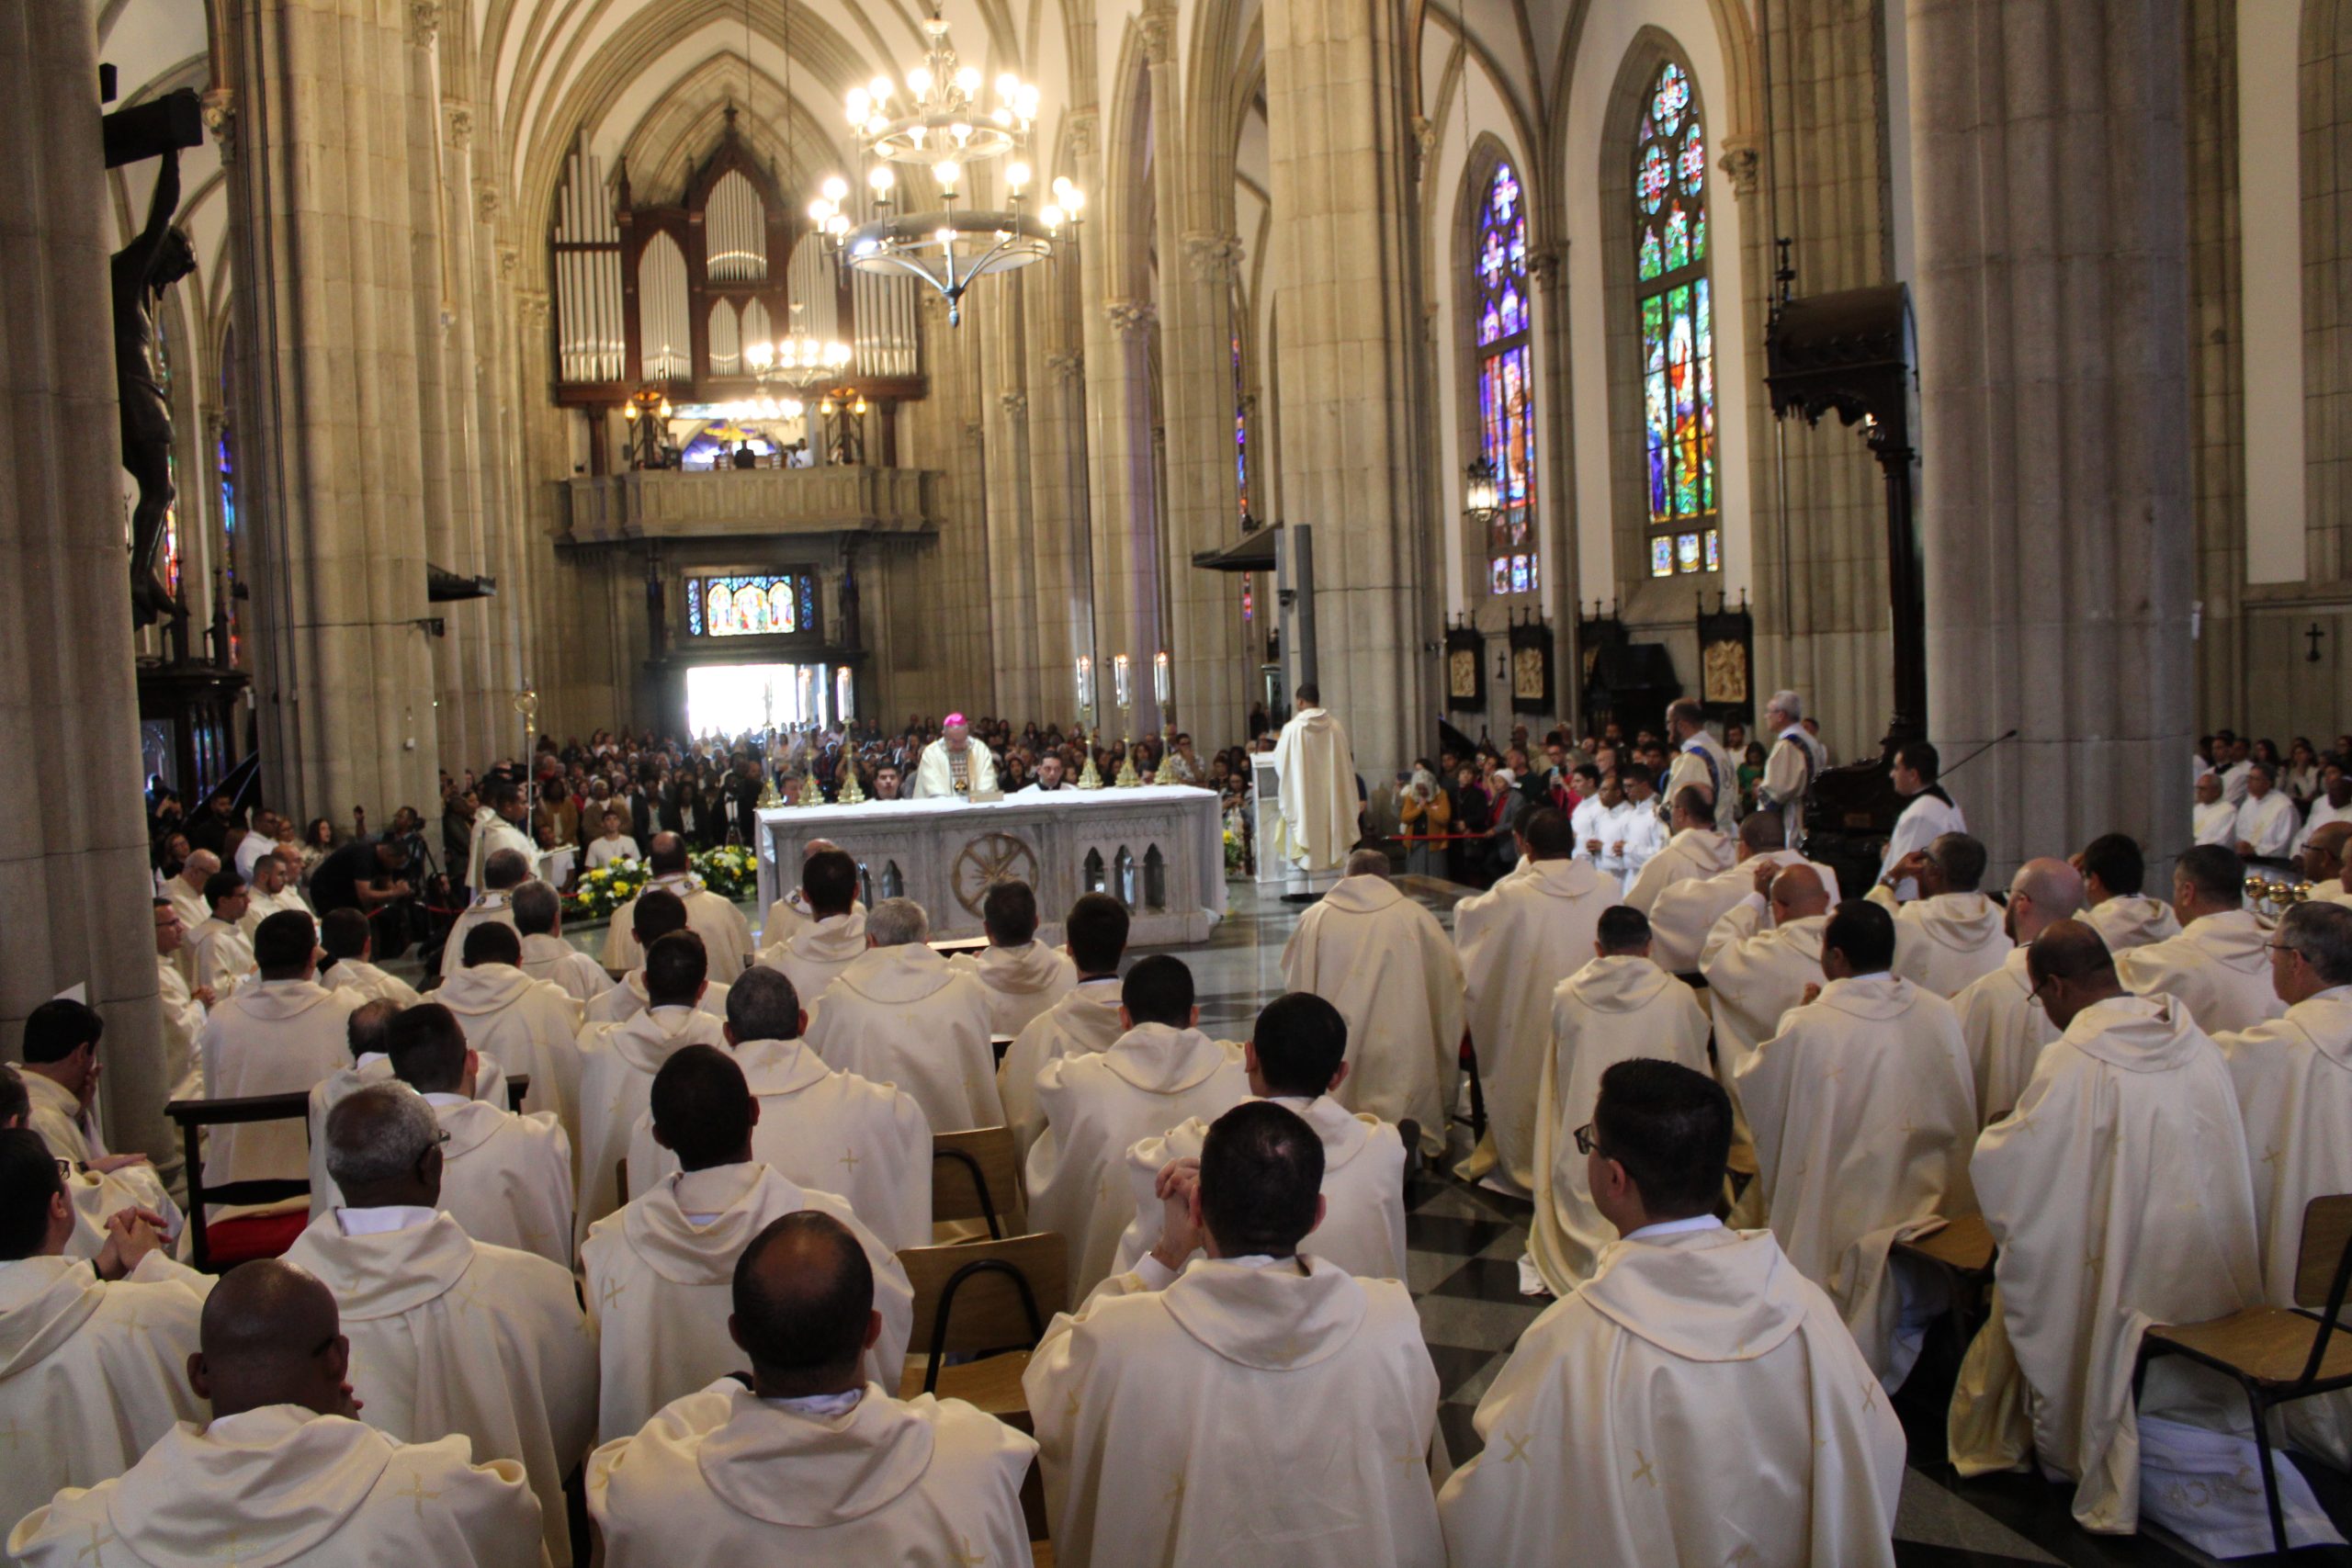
x=2265 y=809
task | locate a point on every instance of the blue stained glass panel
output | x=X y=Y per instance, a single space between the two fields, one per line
x=1661 y=556
x=1504 y=314
x=1677 y=326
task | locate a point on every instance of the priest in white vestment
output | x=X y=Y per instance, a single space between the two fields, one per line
x=1386 y=964
x=831 y=938
x=2267 y=822
x=2335 y=805
x=1518 y=942
x=1950 y=933
x=2118 y=1195
x=2004 y=1030
x=2213 y=819
x=952 y=767
x=1685 y=914
x=449 y=1335
x=283 y=1471
x=500 y=823
x=1619 y=1006
x=1160 y=1072
x=505 y=1177
x=653 y=914
x=1296 y=1059
x=1930 y=815
x=1694 y=850
x=493 y=904
x=1696 y=1401
x=1757 y=962
x=224 y=953
x=1795 y=760
x=369 y=1029
x=2218 y=965
x=1864 y=1113
x=902 y=1015
x=837 y=1132
x=797 y=910
x=618 y=1062
x=184 y=1006
x=1315 y=769
x=281 y=1035
x=527 y=1026
x=660 y=1273
x=1022 y=975
x=1256 y=1405
x=349 y=940
x=185 y=893
x=269 y=891
x=2114 y=871
x=726 y=934
x=1700 y=762
x=813 y=1461
x=93 y=1354
x=537 y=912
x=1083 y=1021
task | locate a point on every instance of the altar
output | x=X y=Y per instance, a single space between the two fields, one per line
x=1157 y=850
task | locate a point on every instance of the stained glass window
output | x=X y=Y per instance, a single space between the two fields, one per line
x=1505 y=320
x=769 y=604
x=1678 y=328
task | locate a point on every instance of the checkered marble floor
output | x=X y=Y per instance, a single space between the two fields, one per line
x=1463 y=1244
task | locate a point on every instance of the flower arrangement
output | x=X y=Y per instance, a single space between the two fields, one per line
x=731 y=871
x=1235 y=855
x=605 y=889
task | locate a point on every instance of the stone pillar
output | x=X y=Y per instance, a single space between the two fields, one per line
x=1347 y=308
x=2051 y=301
x=1011 y=543
x=1062 y=561
x=330 y=268
x=72 y=851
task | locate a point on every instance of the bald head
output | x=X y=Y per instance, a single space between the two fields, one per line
x=201 y=867
x=2070 y=968
x=804 y=1307
x=1796 y=894
x=818 y=847
x=270 y=1336
x=2042 y=892
x=1368 y=863
x=2324 y=851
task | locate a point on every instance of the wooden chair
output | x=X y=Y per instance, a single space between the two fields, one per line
x=518 y=1088
x=976 y=1175
x=984 y=1296
x=1962 y=1251
x=193 y=1116
x=2276 y=1355
x=1033 y=1511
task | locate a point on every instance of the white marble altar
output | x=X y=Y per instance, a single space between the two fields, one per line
x=1159 y=849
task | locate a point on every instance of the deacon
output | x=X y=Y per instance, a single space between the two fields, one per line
x=1317 y=792
x=505 y=1177
x=1863 y=1115
x=1694 y=851
x=1700 y=762
x=790 y=913
x=653 y=915
x=2113 y=872
x=658 y=1273
x=348 y=941
x=184 y=1006
x=2004 y=1029
x=1257 y=1406
x=538 y=910
x=1950 y=933
x=1685 y=913
x=618 y=1062
x=369 y=1029
x=1930 y=815
x=1022 y=975
x=1796 y=760
x=447 y=1335
x=524 y=1025
x=1085 y=1021
x=284 y=1471
x=953 y=767
x=1386 y=963
x=1615 y=1422
x=504 y=873
x=832 y=1132
x=726 y=934
x=833 y=937
x=808 y=1459
x=2118 y=1195
x=2219 y=965
x=1517 y=943
x=1162 y=1070
x=1618 y=1007
x=902 y=1015
x=280 y=1036
x=1297 y=1059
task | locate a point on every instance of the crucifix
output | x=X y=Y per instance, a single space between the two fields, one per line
x=2314 y=634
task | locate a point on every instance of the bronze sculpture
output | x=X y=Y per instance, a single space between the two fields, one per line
x=141 y=270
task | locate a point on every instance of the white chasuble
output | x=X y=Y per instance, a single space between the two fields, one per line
x=1611 y=1011
x=564 y=966
x=1697 y=1401
x=1082 y=1023
x=1686 y=913
x=813 y=955
x=1517 y=943
x=618 y=1062
x=1386 y=964
x=374 y=1068
x=723 y=1479
x=2128 y=919
x=1315 y=793
x=832 y=1132
x=1944 y=943
x=2005 y=1033
x=1362 y=1231
x=903 y=1016
x=281 y=1483
x=527 y=1026
x=2119 y=1196
x=726 y=934
x=1693 y=853
x=935 y=771
x=790 y=915
x=1273 y=1415
x=92 y=1373
x=1021 y=982
x=371 y=983
x=183 y=1021
x=488 y=908
x=272 y=1037
x=1096 y=1108
x=2218 y=967
x=624 y=999
x=453 y=1337
x=1864 y=1114
x=1756 y=972
x=660 y=1275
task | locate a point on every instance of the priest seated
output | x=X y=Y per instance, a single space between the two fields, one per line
x=902 y=1014
x=527 y=1026
x=1022 y=975
x=653 y=914
x=538 y=920
x=618 y=1062
x=1086 y=1019
x=280 y=1036
x=1950 y=933
x=505 y=1177
x=809 y=952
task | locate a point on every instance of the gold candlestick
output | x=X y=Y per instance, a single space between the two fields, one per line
x=1127 y=778
x=769 y=799
x=809 y=794
x=1166 y=773
x=1088 y=777
x=849 y=793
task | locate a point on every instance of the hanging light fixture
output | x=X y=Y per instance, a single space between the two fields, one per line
x=797 y=359
x=944 y=122
x=1481 y=498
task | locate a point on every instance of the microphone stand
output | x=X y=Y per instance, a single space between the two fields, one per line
x=1948 y=772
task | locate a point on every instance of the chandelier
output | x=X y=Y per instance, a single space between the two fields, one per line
x=945 y=121
x=797 y=359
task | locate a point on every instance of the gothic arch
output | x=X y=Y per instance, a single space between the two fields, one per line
x=1456 y=258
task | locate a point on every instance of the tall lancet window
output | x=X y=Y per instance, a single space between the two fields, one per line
x=1678 y=329
x=1505 y=312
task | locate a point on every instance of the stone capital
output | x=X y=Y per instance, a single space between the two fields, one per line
x=1742 y=160
x=509 y=258
x=1156 y=29
x=424 y=23
x=219 y=111
x=1079 y=128
x=1211 y=258
x=485 y=202
x=1130 y=318
x=458 y=123
x=1548 y=264
x=1068 y=365
x=1015 y=404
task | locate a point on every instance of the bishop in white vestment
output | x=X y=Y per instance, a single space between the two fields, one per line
x=660 y=1273
x=1085 y=1021
x=1169 y=1408
x=1696 y=1401
x=2218 y=965
x=813 y=1461
x=618 y=1062
x=1386 y=964
x=952 y=767
x=1317 y=790
x=2003 y=1028
x=902 y=1015
x=1022 y=975
x=1951 y=934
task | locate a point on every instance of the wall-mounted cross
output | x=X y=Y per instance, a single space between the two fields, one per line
x=2314 y=634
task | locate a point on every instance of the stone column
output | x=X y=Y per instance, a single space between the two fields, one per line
x=1012 y=530
x=2052 y=301
x=1349 y=305
x=329 y=270
x=72 y=849
x=1062 y=560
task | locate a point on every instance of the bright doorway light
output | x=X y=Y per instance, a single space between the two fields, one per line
x=730 y=699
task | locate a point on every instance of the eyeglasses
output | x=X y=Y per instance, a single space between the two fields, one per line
x=1589 y=1143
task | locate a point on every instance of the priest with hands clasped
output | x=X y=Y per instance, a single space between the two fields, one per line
x=951 y=765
